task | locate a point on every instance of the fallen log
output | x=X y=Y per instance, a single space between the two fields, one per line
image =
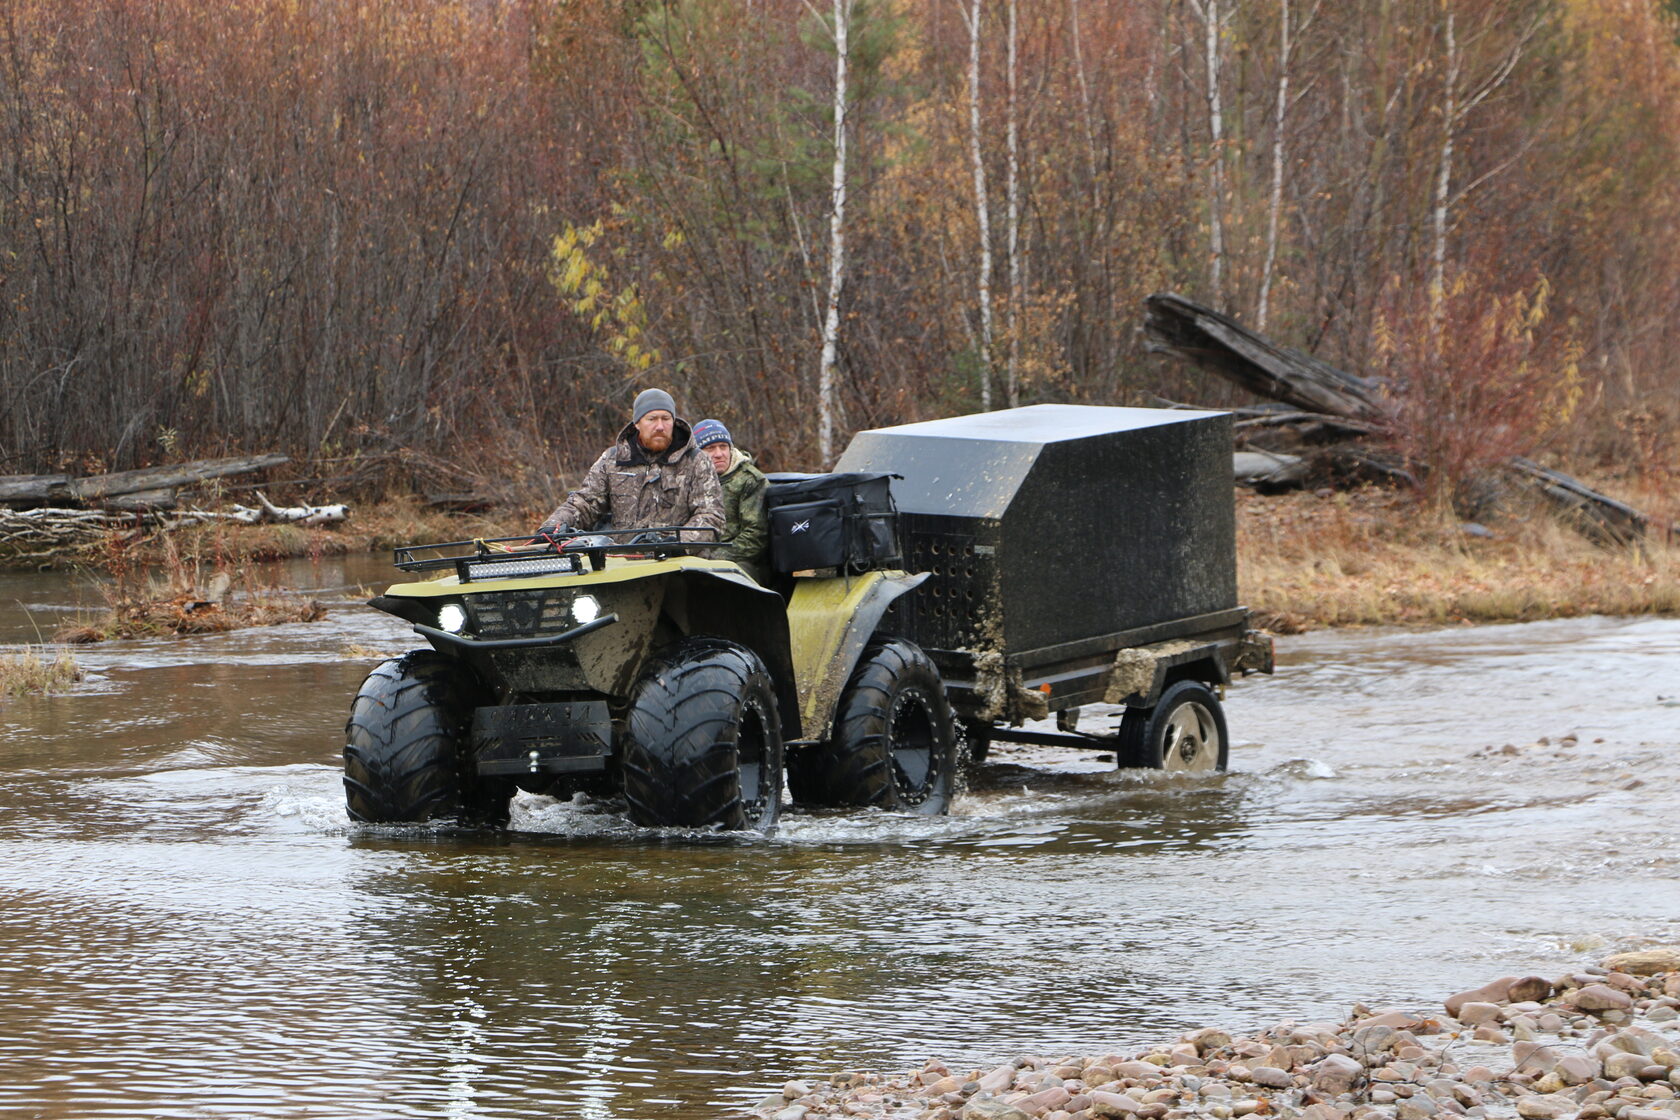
x=33 y=489
x=101 y=486
x=24 y=490
x=1268 y=470
x=1598 y=516
x=1216 y=342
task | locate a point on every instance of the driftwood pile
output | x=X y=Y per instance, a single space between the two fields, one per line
x=1327 y=427
x=43 y=515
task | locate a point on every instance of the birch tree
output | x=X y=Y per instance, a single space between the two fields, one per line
x=982 y=212
x=1213 y=27
x=1456 y=106
x=1274 y=201
x=828 y=377
x=1016 y=282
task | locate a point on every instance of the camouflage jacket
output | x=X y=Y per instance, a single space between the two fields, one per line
x=629 y=489
x=746 y=523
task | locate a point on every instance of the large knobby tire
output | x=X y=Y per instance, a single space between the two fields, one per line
x=1183 y=733
x=894 y=743
x=703 y=742
x=405 y=750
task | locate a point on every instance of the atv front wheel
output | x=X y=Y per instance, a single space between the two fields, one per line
x=404 y=754
x=704 y=741
x=894 y=743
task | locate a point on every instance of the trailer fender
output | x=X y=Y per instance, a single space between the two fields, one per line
x=830 y=622
x=1141 y=673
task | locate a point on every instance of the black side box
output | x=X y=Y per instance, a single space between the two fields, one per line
x=845 y=521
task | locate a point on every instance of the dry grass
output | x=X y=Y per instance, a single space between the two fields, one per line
x=186 y=596
x=1369 y=557
x=37 y=672
x=398 y=520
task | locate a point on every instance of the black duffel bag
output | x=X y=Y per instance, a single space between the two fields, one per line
x=845 y=521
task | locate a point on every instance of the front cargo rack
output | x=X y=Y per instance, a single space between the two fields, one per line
x=529 y=557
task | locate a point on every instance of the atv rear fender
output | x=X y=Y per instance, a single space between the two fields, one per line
x=830 y=621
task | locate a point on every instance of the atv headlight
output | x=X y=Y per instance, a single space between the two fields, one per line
x=585 y=609
x=452 y=617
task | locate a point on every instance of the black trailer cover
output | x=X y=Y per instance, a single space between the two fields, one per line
x=1059 y=526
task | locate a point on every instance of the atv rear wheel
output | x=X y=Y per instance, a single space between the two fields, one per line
x=405 y=757
x=894 y=743
x=1183 y=733
x=704 y=740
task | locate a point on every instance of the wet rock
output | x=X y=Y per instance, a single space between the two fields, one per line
x=1335 y=1074
x=1662 y=1014
x=1577 y=1069
x=1620 y=1063
x=1186 y=1055
x=1141 y=1071
x=990 y=1108
x=1532 y=1056
x=792 y=1112
x=1210 y=1039
x=1394 y=1019
x=793 y=1090
x=1419 y=1106
x=999 y=1079
x=1599 y=998
x=1272 y=1077
x=1322 y=1111
x=1495 y=991
x=1044 y=1100
x=1545 y=1107
x=1114 y=1105
x=1372 y=1039
x=1487 y=1032
x=1645 y=962
x=1631 y=1040
x=1475 y=1012
x=1528 y=989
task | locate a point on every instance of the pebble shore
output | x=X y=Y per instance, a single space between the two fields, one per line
x=1593 y=1045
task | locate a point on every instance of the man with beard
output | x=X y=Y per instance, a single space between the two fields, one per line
x=653 y=476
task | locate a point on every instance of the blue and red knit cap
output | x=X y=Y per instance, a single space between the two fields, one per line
x=709 y=432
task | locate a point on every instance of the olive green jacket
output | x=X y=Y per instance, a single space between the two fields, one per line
x=746 y=525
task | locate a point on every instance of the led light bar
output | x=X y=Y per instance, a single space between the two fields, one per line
x=523 y=569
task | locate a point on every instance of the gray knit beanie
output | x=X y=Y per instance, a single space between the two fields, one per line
x=652 y=400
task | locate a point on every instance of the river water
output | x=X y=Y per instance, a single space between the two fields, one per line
x=190 y=926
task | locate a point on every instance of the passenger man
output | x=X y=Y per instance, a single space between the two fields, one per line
x=746 y=524
x=653 y=476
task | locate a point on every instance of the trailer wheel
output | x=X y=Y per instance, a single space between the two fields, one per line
x=405 y=758
x=1184 y=732
x=703 y=746
x=894 y=743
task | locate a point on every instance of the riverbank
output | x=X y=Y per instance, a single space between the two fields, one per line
x=1306 y=560
x=1377 y=557
x=1599 y=1044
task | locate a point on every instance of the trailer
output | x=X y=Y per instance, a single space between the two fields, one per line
x=1075 y=555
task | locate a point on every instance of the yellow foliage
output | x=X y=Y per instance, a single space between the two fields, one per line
x=585 y=284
